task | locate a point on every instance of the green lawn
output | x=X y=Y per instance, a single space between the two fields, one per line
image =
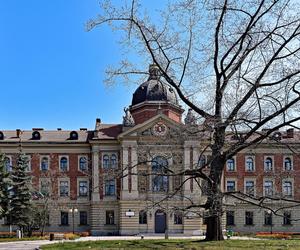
x=178 y=244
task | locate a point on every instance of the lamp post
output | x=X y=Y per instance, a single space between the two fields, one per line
x=271 y=221
x=73 y=210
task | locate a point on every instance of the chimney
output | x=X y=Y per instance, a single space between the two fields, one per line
x=18 y=132
x=37 y=129
x=58 y=129
x=83 y=129
x=98 y=124
x=290 y=133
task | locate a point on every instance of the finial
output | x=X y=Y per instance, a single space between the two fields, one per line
x=128 y=120
x=190 y=119
x=153 y=72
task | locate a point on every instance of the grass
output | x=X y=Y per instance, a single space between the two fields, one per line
x=177 y=244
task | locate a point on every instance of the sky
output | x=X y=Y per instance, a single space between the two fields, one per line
x=52 y=70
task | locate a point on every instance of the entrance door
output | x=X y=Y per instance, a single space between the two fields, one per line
x=160 y=221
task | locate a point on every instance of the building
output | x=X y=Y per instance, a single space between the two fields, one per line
x=113 y=179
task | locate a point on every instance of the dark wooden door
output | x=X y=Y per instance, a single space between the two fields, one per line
x=160 y=221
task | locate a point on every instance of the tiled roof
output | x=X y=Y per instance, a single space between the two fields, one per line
x=107 y=131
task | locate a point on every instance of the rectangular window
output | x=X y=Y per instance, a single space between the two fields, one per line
x=110 y=187
x=287 y=188
x=230 y=218
x=83 y=163
x=83 y=188
x=64 y=218
x=142 y=217
x=287 y=218
x=230 y=186
x=268 y=218
x=83 y=218
x=230 y=165
x=249 y=187
x=268 y=186
x=249 y=218
x=178 y=218
x=45 y=187
x=110 y=217
x=63 y=188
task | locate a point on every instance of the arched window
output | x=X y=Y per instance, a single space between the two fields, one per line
x=268 y=164
x=249 y=164
x=105 y=161
x=1 y=135
x=63 y=164
x=201 y=161
x=8 y=165
x=230 y=165
x=160 y=182
x=83 y=163
x=113 y=161
x=44 y=164
x=142 y=217
x=288 y=164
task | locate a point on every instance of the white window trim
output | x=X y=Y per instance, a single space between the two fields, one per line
x=87 y=162
x=273 y=186
x=10 y=161
x=235 y=184
x=41 y=158
x=253 y=158
x=283 y=162
x=29 y=162
x=110 y=153
x=250 y=179
x=42 y=179
x=293 y=186
x=235 y=165
x=69 y=188
x=68 y=165
x=104 y=193
x=88 y=187
x=273 y=163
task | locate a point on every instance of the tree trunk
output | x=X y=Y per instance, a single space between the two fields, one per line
x=214 y=228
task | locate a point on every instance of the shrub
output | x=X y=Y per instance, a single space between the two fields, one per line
x=71 y=236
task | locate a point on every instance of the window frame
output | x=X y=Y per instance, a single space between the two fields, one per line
x=83 y=194
x=232 y=181
x=249 y=218
x=66 y=214
x=86 y=163
x=253 y=193
x=109 y=220
x=178 y=218
x=230 y=218
x=247 y=169
x=143 y=220
x=60 y=190
x=287 y=218
x=290 y=188
x=161 y=181
x=60 y=165
x=268 y=218
x=231 y=166
x=267 y=191
x=83 y=220
x=42 y=157
x=107 y=188
x=291 y=166
x=268 y=163
x=48 y=184
x=9 y=157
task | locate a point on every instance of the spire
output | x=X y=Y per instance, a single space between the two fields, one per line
x=153 y=72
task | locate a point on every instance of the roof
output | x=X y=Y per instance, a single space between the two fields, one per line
x=107 y=131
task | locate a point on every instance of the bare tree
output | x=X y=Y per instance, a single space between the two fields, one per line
x=234 y=63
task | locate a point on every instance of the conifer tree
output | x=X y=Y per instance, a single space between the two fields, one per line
x=4 y=186
x=20 y=206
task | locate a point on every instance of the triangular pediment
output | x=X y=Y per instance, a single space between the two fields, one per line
x=147 y=128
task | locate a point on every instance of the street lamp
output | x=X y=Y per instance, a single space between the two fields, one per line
x=270 y=220
x=73 y=210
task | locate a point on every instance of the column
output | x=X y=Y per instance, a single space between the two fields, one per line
x=95 y=174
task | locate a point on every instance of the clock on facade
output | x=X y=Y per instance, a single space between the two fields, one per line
x=159 y=129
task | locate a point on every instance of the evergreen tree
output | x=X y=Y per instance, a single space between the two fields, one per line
x=20 y=205
x=5 y=182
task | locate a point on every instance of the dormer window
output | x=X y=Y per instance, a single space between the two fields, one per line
x=36 y=135
x=1 y=135
x=74 y=135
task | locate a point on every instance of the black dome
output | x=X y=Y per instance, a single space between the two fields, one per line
x=154 y=90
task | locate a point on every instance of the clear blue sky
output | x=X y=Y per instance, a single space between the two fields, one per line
x=51 y=69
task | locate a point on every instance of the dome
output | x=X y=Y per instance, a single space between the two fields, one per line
x=154 y=89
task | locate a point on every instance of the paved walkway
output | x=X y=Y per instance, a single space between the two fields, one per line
x=32 y=245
